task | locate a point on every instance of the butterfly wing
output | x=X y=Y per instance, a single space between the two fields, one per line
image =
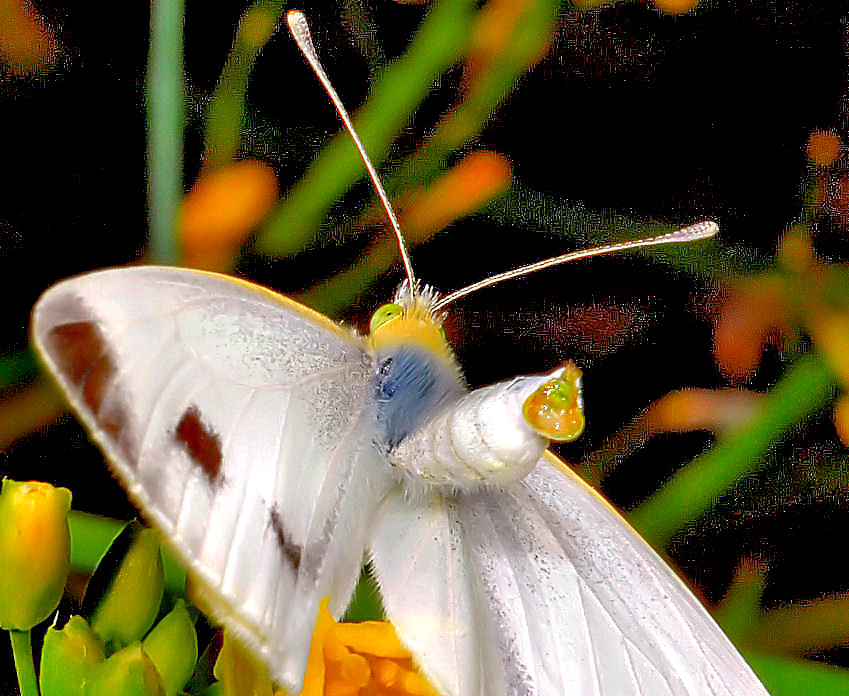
x=541 y=588
x=238 y=421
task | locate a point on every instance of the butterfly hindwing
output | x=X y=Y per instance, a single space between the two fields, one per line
x=418 y=555
x=566 y=597
x=237 y=420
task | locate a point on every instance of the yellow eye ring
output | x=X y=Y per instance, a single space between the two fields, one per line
x=383 y=314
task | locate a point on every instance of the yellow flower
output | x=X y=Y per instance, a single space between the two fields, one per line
x=34 y=551
x=841 y=418
x=346 y=659
x=240 y=673
x=359 y=659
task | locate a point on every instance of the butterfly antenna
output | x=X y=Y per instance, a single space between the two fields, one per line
x=301 y=33
x=701 y=230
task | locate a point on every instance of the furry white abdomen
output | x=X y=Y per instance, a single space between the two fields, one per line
x=480 y=439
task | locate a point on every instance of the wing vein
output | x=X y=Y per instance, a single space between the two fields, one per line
x=144 y=441
x=243 y=508
x=590 y=638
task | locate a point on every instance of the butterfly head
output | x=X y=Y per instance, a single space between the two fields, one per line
x=409 y=320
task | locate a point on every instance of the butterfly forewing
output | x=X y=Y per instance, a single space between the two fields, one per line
x=238 y=421
x=566 y=598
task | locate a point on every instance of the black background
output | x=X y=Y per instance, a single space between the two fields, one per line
x=655 y=116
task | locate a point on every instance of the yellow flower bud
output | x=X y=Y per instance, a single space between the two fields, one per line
x=173 y=646
x=34 y=551
x=69 y=657
x=129 y=672
x=127 y=608
x=239 y=672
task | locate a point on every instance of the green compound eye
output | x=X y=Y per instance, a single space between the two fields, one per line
x=383 y=314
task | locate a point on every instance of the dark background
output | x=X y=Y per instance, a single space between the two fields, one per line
x=654 y=116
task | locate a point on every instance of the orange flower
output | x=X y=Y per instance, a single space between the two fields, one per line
x=830 y=331
x=699 y=409
x=823 y=148
x=515 y=31
x=222 y=208
x=462 y=190
x=841 y=418
x=26 y=43
x=675 y=6
x=359 y=659
x=258 y=24
x=753 y=312
x=795 y=252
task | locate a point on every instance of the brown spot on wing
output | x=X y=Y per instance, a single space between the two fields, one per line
x=202 y=444
x=290 y=550
x=76 y=347
x=97 y=381
x=82 y=355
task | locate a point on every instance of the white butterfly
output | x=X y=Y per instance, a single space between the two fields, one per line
x=276 y=451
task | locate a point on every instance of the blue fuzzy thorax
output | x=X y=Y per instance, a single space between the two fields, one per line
x=411 y=385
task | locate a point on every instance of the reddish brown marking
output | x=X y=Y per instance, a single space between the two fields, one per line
x=113 y=420
x=97 y=381
x=202 y=444
x=290 y=550
x=81 y=354
x=76 y=347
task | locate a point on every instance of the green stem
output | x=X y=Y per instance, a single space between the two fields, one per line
x=91 y=537
x=805 y=387
x=403 y=86
x=24 y=665
x=17 y=368
x=796 y=676
x=227 y=109
x=165 y=106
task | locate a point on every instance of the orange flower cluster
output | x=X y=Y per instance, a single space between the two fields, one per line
x=360 y=659
x=803 y=296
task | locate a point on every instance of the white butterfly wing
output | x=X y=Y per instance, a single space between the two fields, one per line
x=238 y=421
x=541 y=588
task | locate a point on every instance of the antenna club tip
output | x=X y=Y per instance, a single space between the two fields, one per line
x=703 y=230
x=295 y=18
